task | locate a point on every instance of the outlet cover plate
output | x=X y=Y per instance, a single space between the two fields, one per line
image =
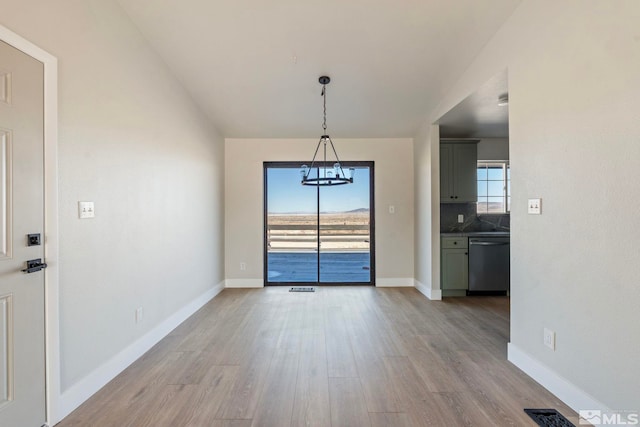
x=534 y=206
x=86 y=210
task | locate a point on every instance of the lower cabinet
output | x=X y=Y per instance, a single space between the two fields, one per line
x=454 y=266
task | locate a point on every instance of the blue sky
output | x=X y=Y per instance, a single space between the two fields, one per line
x=286 y=194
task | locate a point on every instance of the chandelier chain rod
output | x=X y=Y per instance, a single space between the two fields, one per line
x=336 y=154
x=313 y=160
x=324 y=107
x=324 y=166
x=324 y=127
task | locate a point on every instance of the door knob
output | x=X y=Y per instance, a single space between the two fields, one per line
x=34 y=265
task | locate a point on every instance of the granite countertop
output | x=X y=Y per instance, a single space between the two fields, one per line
x=477 y=234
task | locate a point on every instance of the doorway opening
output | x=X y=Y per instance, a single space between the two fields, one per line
x=318 y=235
x=475 y=193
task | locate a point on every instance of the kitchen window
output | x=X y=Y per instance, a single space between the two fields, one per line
x=494 y=187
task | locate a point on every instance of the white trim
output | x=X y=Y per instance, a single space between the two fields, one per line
x=244 y=283
x=432 y=294
x=52 y=351
x=398 y=282
x=86 y=387
x=576 y=398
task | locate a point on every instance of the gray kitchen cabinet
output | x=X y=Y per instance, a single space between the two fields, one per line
x=458 y=172
x=454 y=266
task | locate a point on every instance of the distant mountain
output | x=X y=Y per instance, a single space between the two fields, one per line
x=353 y=211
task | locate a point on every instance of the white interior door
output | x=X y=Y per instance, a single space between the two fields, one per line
x=22 y=307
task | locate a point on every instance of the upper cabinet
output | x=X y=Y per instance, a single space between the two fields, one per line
x=458 y=164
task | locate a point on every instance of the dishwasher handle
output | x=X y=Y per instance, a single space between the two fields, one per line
x=489 y=243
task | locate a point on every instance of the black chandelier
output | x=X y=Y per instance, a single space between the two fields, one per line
x=327 y=175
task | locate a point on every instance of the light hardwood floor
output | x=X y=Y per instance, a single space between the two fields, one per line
x=342 y=356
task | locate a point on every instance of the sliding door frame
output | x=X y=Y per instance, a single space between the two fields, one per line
x=372 y=224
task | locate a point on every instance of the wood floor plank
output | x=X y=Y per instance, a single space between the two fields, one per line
x=375 y=383
x=276 y=403
x=385 y=419
x=414 y=397
x=340 y=361
x=208 y=396
x=438 y=374
x=243 y=397
x=463 y=410
x=158 y=407
x=227 y=423
x=348 y=407
x=311 y=403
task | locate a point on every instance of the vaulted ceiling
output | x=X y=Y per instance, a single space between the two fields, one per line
x=253 y=66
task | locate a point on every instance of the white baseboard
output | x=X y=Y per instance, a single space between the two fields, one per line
x=86 y=387
x=244 y=283
x=574 y=397
x=399 y=282
x=432 y=294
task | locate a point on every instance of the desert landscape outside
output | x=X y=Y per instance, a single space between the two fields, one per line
x=343 y=239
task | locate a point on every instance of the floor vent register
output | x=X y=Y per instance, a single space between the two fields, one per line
x=548 y=418
x=305 y=289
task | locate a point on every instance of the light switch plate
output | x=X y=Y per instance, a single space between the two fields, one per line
x=550 y=338
x=534 y=206
x=86 y=210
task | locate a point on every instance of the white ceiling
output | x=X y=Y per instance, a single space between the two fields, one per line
x=479 y=115
x=253 y=65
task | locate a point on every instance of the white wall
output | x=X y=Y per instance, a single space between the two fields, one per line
x=426 y=165
x=132 y=141
x=244 y=202
x=573 y=92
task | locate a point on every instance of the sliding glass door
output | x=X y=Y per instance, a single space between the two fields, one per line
x=318 y=234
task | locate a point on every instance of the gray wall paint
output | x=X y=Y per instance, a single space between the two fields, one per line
x=493 y=149
x=573 y=91
x=132 y=141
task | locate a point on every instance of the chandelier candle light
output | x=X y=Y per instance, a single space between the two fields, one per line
x=327 y=175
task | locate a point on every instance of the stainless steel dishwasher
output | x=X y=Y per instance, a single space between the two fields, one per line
x=489 y=265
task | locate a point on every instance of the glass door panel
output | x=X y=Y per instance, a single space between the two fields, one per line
x=345 y=230
x=291 y=221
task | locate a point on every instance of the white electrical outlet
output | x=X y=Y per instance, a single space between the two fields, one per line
x=139 y=314
x=534 y=206
x=243 y=266
x=550 y=339
x=460 y=218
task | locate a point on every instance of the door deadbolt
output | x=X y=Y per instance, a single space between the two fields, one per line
x=33 y=239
